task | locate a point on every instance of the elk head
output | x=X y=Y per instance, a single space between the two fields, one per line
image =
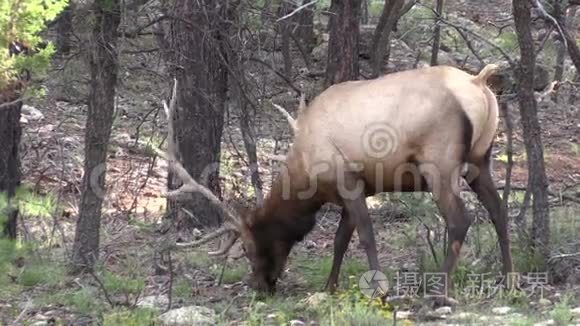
x=266 y=251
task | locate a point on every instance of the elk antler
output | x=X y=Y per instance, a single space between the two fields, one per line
x=291 y=121
x=190 y=185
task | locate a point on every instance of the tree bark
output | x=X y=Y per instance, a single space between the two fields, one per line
x=364 y=17
x=64 y=30
x=10 y=175
x=381 y=37
x=305 y=27
x=285 y=34
x=103 y=67
x=570 y=36
x=537 y=179
x=437 y=33
x=199 y=64
x=342 y=64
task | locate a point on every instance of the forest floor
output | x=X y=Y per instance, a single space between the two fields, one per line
x=133 y=285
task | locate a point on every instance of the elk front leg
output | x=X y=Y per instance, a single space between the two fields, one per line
x=357 y=211
x=342 y=238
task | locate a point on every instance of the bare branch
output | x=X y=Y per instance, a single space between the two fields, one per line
x=546 y=91
x=537 y=5
x=7 y=104
x=296 y=11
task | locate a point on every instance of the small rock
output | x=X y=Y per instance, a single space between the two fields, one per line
x=501 y=310
x=296 y=322
x=39 y=323
x=546 y=323
x=544 y=302
x=32 y=113
x=315 y=300
x=23 y=120
x=309 y=244
x=186 y=316
x=443 y=311
x=153 y=302
x=576 y=311
x=404 y=314
x=260 y=305
x=464 y=315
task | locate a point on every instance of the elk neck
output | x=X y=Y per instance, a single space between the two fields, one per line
x=286 y=214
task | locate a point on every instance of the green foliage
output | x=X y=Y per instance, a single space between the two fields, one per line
x=351 y=307
x=42 y=272
x=22 y=21
x=84 y=301
x=137 y=317
x=182 y=288
x=562 y=312
x=376 y=8
x=125 y=285
x=33 y=204
x=316 y=271
x=508 y=41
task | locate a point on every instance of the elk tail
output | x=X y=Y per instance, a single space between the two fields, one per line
x=485 y=73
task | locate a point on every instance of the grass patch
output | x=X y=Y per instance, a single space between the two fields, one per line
x=127 y=286
x=42 y=272
x=84 y=301
x=182 y=288
x=136 y=317
x=231 y=274
x=315 y=271
x=562 y=312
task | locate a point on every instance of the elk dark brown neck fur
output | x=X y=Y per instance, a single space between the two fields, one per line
x=285 y=216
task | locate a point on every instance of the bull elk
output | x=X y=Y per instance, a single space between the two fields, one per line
x=411 y=131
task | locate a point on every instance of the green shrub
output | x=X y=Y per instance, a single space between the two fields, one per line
x=22 y=21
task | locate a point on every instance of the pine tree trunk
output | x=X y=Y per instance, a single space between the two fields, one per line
x=381 y=38
x=10 y=175
x=199 y=63
x=537 y=179
x=103 y=67
x=343 y=45
x=436 y=33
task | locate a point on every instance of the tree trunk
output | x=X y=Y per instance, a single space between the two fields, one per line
x=200 y=69
x=64 y=30
x=342 y=64
x=537 y=180
x=103 y=66
x=249 y=137
x=285 y=31
x=437 y=33
x=570 y=36
x=305 y=27
x=10 y=175
x=364 y=17
x=381 y=37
